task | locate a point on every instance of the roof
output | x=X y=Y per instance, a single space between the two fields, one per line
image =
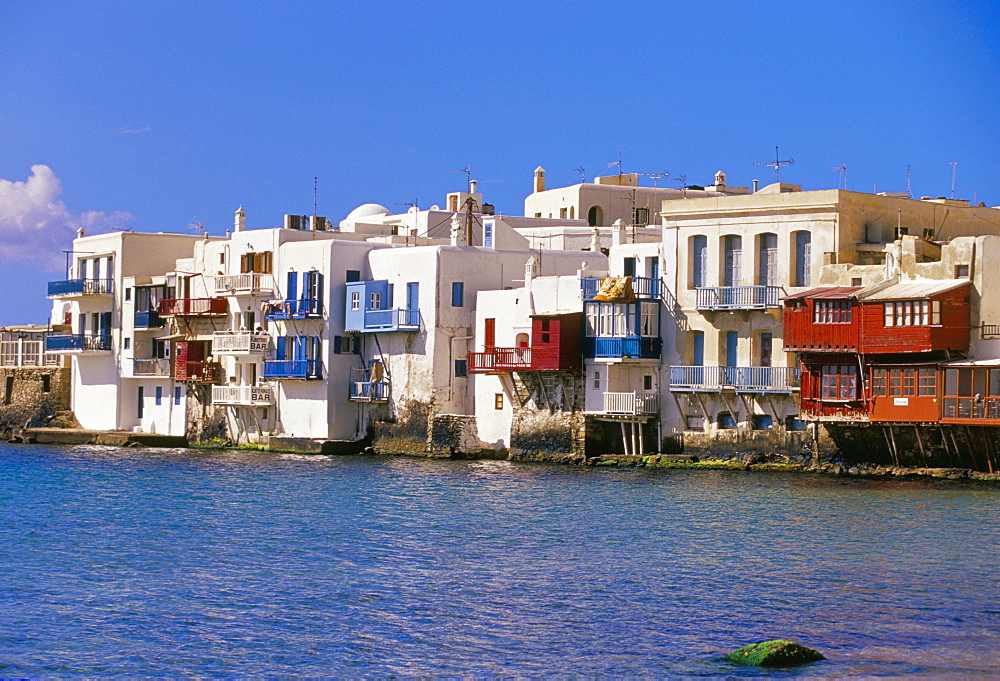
x=825 y=292
x=917 y=289
x=995 y=362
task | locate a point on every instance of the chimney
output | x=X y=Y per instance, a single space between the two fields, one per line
x=539 y=179
x=240 y=223
x=472 y=186
x=457 y=231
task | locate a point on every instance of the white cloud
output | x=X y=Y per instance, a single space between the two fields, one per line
x=36 y=226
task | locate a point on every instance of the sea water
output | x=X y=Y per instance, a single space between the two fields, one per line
x=207 y=563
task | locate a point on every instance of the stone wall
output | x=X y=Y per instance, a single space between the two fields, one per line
x=24 y=398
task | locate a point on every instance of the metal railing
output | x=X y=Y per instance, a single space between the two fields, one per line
x=242 y=395
x=369 y=391
x=737 y=297
x=87 y=287
x=25 y=354
x=299 y=308
x=630 y=404
x=293 y=368
x=750 y=379
x=500 y=359
x=150 y=367
x=77 y=341
x=248 y=282
x=642 y=287
x=395 y=319
x=193 y=306
x=239 y=343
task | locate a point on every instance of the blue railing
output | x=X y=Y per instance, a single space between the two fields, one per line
x=369 y=391
x=642 y=287
x=745 y=379
x=737 y=297
x=147 y=320
x=294 y=309
x=77 y=341
x=293 y=368
x=392 y=320
x=633 y=347
x=80 y=286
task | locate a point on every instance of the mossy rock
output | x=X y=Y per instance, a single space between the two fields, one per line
x=778 y=653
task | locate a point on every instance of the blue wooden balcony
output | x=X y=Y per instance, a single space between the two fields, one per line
x=737 y=297
x=147 y=320
x=368 y=307
x=739 y=379
x=634 y=347
x=300 y=369
x=369 y=391
x=301 y=308
x=81 y=287
x=77 y=342
x=642 y=287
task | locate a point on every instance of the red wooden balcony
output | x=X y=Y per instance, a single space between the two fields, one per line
x=200 y=307
x=496 y=360
x=822 y=320
x=197 y=372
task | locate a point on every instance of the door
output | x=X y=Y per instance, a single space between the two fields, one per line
x=412 y=303
x=733 y=251
x=766 y=341
x=768 y=260
x=490 y=334
x=732 y=343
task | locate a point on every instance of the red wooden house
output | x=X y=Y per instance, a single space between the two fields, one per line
x=916 y=316
x=556 y=345
x=822 y=320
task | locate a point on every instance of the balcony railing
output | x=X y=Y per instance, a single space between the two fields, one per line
x=77 y=342
x=740 y=379
x=622 y=348
x=242 y=395
x=390 y=320
x=147 y=320
x=171 y=307
x=971 y=408
x=499 y=359
x=629 y=404
x=293 y=368
x=197 y=372
x=150 y=367
x=81 y=287
x=248 y=282
x=25 y=354
x=642 y=287
x=239 y=343
x=302 y=308
x=737 y=297
x=369 y=391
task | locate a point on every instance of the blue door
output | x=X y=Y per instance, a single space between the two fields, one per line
x=732 y=338
x=699 y=275
x=412 y=303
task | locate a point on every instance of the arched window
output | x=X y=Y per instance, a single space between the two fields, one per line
x=767 y=259
x=595 y=216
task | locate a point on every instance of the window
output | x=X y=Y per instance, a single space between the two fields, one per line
x=647 y=382
x=461 y=368
x=488 y=233
x=935 y=312
x=46 y=383
x=128 y=342
x=251 y=262
x=912 y=313
x=961 y=271
x=159 y=395
x=222 y=258
x=352 y=275
x=733 y=254
x=641 y=216
x=498 y=401
x=375 y=301
x=767 y=259
x=457 y=294
x=649 y=320
x=177 y=396
x=838 y=382
x=699 y=261
x=139 y=400
x=832 y=312
x=927 y=381
x=597 y=380
x=855 y=281
x=128 y=294
x=355 y=300
x=803 y=259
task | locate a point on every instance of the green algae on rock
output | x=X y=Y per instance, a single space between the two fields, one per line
x=777 y=653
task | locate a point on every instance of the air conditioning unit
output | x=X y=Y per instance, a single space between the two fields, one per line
x=296 y=222
x=317 y=222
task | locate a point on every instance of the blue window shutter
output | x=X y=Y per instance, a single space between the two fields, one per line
x=457 y=293
x=292 y=292
x=177 y=395
x=305 y=284
x=300 y=347
x=319 y=291
x=280 y=352
x=336 y=345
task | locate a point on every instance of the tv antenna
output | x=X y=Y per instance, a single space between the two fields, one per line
x=315 y=188
x=618 y=163
x=583 y=173
x=954 y=167
x=468 y=175
x=776 y=164
x=843 y=174
x=196 y=226
x=656 y=177
x=909 y=193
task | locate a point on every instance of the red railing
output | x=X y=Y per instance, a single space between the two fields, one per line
x=499 y=359
x=193 y=306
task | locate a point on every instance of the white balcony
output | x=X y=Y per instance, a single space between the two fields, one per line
x=150 y=367
x=629 y=404
x=239 y=343
x=248 y=282
x=242 y=395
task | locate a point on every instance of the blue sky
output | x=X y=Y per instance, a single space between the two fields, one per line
x=152 y=115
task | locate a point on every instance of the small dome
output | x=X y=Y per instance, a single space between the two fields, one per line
x=366 y=210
